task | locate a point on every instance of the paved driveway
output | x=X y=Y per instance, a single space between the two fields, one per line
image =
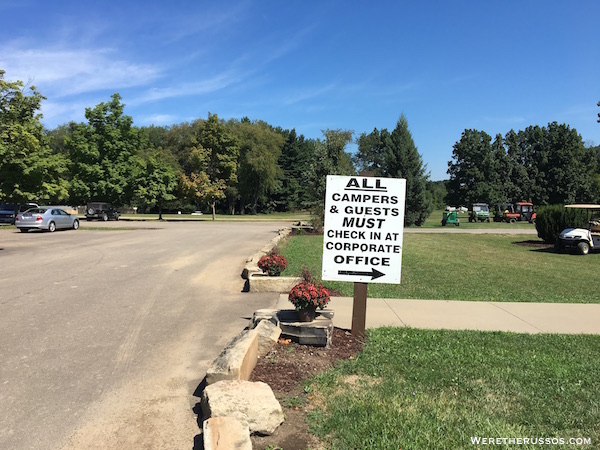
x=106 y=334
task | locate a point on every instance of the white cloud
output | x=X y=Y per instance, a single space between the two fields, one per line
x=159 y=119
x=64 y=71
x=200 y=87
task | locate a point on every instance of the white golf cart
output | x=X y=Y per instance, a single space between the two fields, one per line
x=582 y=239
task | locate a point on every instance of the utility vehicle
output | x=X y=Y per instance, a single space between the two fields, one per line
x=582 y=239
x=479 y=212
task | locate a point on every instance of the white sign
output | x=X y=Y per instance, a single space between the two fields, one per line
x=363 y=230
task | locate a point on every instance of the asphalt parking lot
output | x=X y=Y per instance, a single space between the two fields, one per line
x=106 y=332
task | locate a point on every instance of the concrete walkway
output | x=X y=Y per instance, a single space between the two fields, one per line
x=457 y=315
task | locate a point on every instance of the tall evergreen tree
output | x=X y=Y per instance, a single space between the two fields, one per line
x=401 y=159
x=295 y=160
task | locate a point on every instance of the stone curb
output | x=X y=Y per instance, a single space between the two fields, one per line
x=252 y=261
x=235 y=363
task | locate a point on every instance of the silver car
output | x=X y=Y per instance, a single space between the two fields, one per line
x=46 y=218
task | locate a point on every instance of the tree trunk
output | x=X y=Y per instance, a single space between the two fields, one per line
x=159 y=211
x=213 y=210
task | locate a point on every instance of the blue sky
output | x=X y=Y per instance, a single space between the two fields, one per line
x=315 y=65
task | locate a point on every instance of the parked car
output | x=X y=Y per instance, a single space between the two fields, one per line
x=8 y=211
x=46 y=218
x=101 y=211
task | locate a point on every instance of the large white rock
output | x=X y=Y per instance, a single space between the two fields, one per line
x=237 y=360
x=268 y=334
x=252 y=403
x=225 y=433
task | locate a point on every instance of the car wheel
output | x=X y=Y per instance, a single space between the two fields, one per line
x=91 y=211
x=512 y=220
x=584 y=248
x=51 y=227
x=105 y=217
x=116 y=217
x=76 y=224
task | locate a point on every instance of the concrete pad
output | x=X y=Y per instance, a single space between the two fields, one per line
x=457 y=315
x=464 y=315
x=561 y=318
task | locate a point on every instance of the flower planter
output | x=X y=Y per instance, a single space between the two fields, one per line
x=307 y=314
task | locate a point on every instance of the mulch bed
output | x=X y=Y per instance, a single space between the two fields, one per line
x=289 y=363
x=284 y=369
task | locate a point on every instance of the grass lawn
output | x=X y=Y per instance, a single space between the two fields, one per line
x=424 y=389
x=474 y=267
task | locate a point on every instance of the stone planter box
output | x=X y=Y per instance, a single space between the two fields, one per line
x=260 y=282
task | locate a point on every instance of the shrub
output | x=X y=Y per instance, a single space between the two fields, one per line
x=552 y=219
x=307 y=294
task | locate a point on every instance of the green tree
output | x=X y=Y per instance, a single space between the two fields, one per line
x=471 y=170
x=259 y=173
x=28 y=168
x=294 y=161
x=103 y=154
x=156 y=183
x=401 y=159
x=570 y=169
x=210 y=167
x=370 y=154
x=329 y=158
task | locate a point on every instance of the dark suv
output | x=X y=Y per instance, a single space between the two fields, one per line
x=101 y=211
x=7 y=211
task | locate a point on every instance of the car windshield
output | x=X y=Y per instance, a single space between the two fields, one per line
x=7 y=207
x=35 y=211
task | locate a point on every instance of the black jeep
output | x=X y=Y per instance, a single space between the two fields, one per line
x=101 y=211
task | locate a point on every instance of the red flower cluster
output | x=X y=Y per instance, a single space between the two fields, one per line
x=272 y=264
x=306 y=294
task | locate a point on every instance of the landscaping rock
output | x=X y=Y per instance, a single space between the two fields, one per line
x=251 y=403
x=263 y=283
x=225 y=433
x=268 y=334
x=236 y=361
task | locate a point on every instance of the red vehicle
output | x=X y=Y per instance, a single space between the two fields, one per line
x=518 y=212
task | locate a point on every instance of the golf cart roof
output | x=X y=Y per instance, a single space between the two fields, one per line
x=583 y=206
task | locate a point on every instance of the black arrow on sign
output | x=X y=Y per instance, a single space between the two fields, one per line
x=374 y=273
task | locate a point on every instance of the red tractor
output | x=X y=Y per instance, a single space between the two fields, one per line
x=511 y=213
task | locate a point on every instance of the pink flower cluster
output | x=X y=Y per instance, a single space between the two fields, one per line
x=272 y=264
x=305 y=294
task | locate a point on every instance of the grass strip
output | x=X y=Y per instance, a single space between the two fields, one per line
x=436 y=389
x=471 y=267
